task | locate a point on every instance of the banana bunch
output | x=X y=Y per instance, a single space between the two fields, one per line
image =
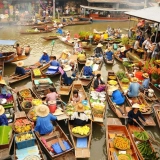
x=24 y=137
x=81 y=130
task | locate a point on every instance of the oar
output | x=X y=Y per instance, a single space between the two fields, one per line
x=148 y=134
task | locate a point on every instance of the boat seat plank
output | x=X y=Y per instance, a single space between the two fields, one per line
x=97 y=119
x=113 y=121
x=82 y=153
x=62 y=117
x=67 y=156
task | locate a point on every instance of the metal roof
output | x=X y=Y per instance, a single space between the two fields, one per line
x=151 y=14
x=7 y=42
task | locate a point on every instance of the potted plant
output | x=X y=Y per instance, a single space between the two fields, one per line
x=125 y=42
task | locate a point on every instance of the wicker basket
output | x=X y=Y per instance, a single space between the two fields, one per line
x=23 y=104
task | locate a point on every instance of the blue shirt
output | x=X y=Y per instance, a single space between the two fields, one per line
x=20 y=71
x=134 y=89
x=59 y=30
x=109 y=55
x=54 y=63
x=132 y=115
x=145 y=83
x=118 y=97
x=87 y=71
x=44 y=124
x=45 y=58
x=3 y=120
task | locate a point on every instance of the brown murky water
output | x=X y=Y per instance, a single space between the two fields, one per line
x=98 y=146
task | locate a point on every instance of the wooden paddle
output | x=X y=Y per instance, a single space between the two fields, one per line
x=157 y=143
x=61 y=143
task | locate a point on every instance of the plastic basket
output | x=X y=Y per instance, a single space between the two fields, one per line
x=26 y=143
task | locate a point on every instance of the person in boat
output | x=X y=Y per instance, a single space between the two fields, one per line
x=99 y=85
x=46 y=28
x=65 y=56
x=3 y=118
x=27 y=50
x=55 y=24
x=68 y=37
x=19 y=69
x=141 y=39
x=73 y=64
x=136 y=44
x=77 y=46
x=146 y=44
x=79 y=118
x=52 y=95
x=98 y=51
x=146 y=81
x=81 y=56
x=45 y=57
x=123 y=53
x=54 y=62
x=118 y=99
x=88 y=69
x=60 y=25
x=59 y=30
x=43 y=123
x=134 y=115
x=109 y=54
x=91 y=19
x=76 y=97
x=18 y=49
x=133 y=90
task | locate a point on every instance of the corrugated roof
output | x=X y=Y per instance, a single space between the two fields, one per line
x=151 y=14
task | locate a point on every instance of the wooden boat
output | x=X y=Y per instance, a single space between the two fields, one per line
x=156 y=108
x=32 y=24
x=20 y=58
x=113 y=130
x=56 y=136
x=116 y=56
x=77 y=23
x=154 y=87
x=71 y=43
x=131 y=130
x=34 y=32
x=41 y=88
x=1 y=68
x=50 y=38
x=42 y=27
x=15 y=78
x=108 y=62
x=7 y=56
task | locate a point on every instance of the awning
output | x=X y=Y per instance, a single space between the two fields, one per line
x=151 y=14
x=105 y=9
x=7 y=42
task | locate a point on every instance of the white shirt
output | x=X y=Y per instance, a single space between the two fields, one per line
x=82 y=116
x=146 y=43
x=136 y=45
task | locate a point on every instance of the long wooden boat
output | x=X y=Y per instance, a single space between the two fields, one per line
x=108 y=62
x=42 y=27
x=15 y=78
x=33 y=24
x=77 y=23
x=154 y=87
x=156 y=108
x=34 y=32
x=1 y=68
x=56 y=136
x=71 y=43
x=118 y=130
x=41 y=88
x=131 y=130
x=7 y=56
x=50 y=38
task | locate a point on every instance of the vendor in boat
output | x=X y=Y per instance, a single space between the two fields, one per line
x=134 y=115
x=52 y=95
x=18 y=49
x=73 y=64
x=59 y=30
x=45 y=57
x=109 y=54
x=118 y=99
x=19 y=69
x=3 y=118
x=146 y=81
x=79 y=118
x=98 y=51
x=54 y=62
x=136 y=44
x=55 y=24
x=68 y=37
x=133 y=90
x=81 y=56
x=122 y=53
x=43 y=123
x=76 y=97
x=77 y=46
x=64 y=56
x=99 y=85
x=88 y=69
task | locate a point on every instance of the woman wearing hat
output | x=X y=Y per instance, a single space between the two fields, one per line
x=45 y=57
x=43 y=123
x=99 y=85
x=65 y=56
x=122 y=53
x=79 y=118
x=98 y=51
x=3 y=118
x=19 y=69
x=145 y=83
x=133 y=89
x=109 y=54
x=87 y=69
x=134 y=115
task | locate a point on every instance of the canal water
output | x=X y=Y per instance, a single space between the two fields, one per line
x=98 y=145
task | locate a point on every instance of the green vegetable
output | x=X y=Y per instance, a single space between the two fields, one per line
x=141 y=135
x=121 y=75
x=127 y=64
x=125 y=80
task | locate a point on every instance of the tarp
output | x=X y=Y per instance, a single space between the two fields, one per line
x=151 y=14
x=7 y=42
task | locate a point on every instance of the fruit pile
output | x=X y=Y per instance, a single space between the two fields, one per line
x=124 y=157
x=81 y=130
x=36 y=72
x=112 y=82
x=23 y=137
x=121 y=143
x=32 y=115
x=22 y=125
x=143 y=136
x=25 y=93
x=98 y=110
x=146 y=151
x=36 y=102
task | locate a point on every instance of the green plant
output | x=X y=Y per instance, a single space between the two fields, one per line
x=125 y=40
x=127 y=64
x=121 y=75
x=155 y=76
x=125 y=80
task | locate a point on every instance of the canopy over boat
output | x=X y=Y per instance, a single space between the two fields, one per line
x=7 y=42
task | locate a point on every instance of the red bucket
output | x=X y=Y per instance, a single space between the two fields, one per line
x=52 y=108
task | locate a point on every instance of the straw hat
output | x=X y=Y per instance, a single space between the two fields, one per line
x=66 y=51
x=20 y=64
x=89 y=63
x=99 y=45
x=113 y=88
x=134 y=79
x=67 y=68
x=109 y=48
x=44 y=51
x=123 y=49
x=79 y=108
x=136 y=105
x=2 y=81
x=145 y=75
x=2 y=110
x=42 y=110
x=58 y=112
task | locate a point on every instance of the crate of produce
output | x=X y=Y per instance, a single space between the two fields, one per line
x=25 y=140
